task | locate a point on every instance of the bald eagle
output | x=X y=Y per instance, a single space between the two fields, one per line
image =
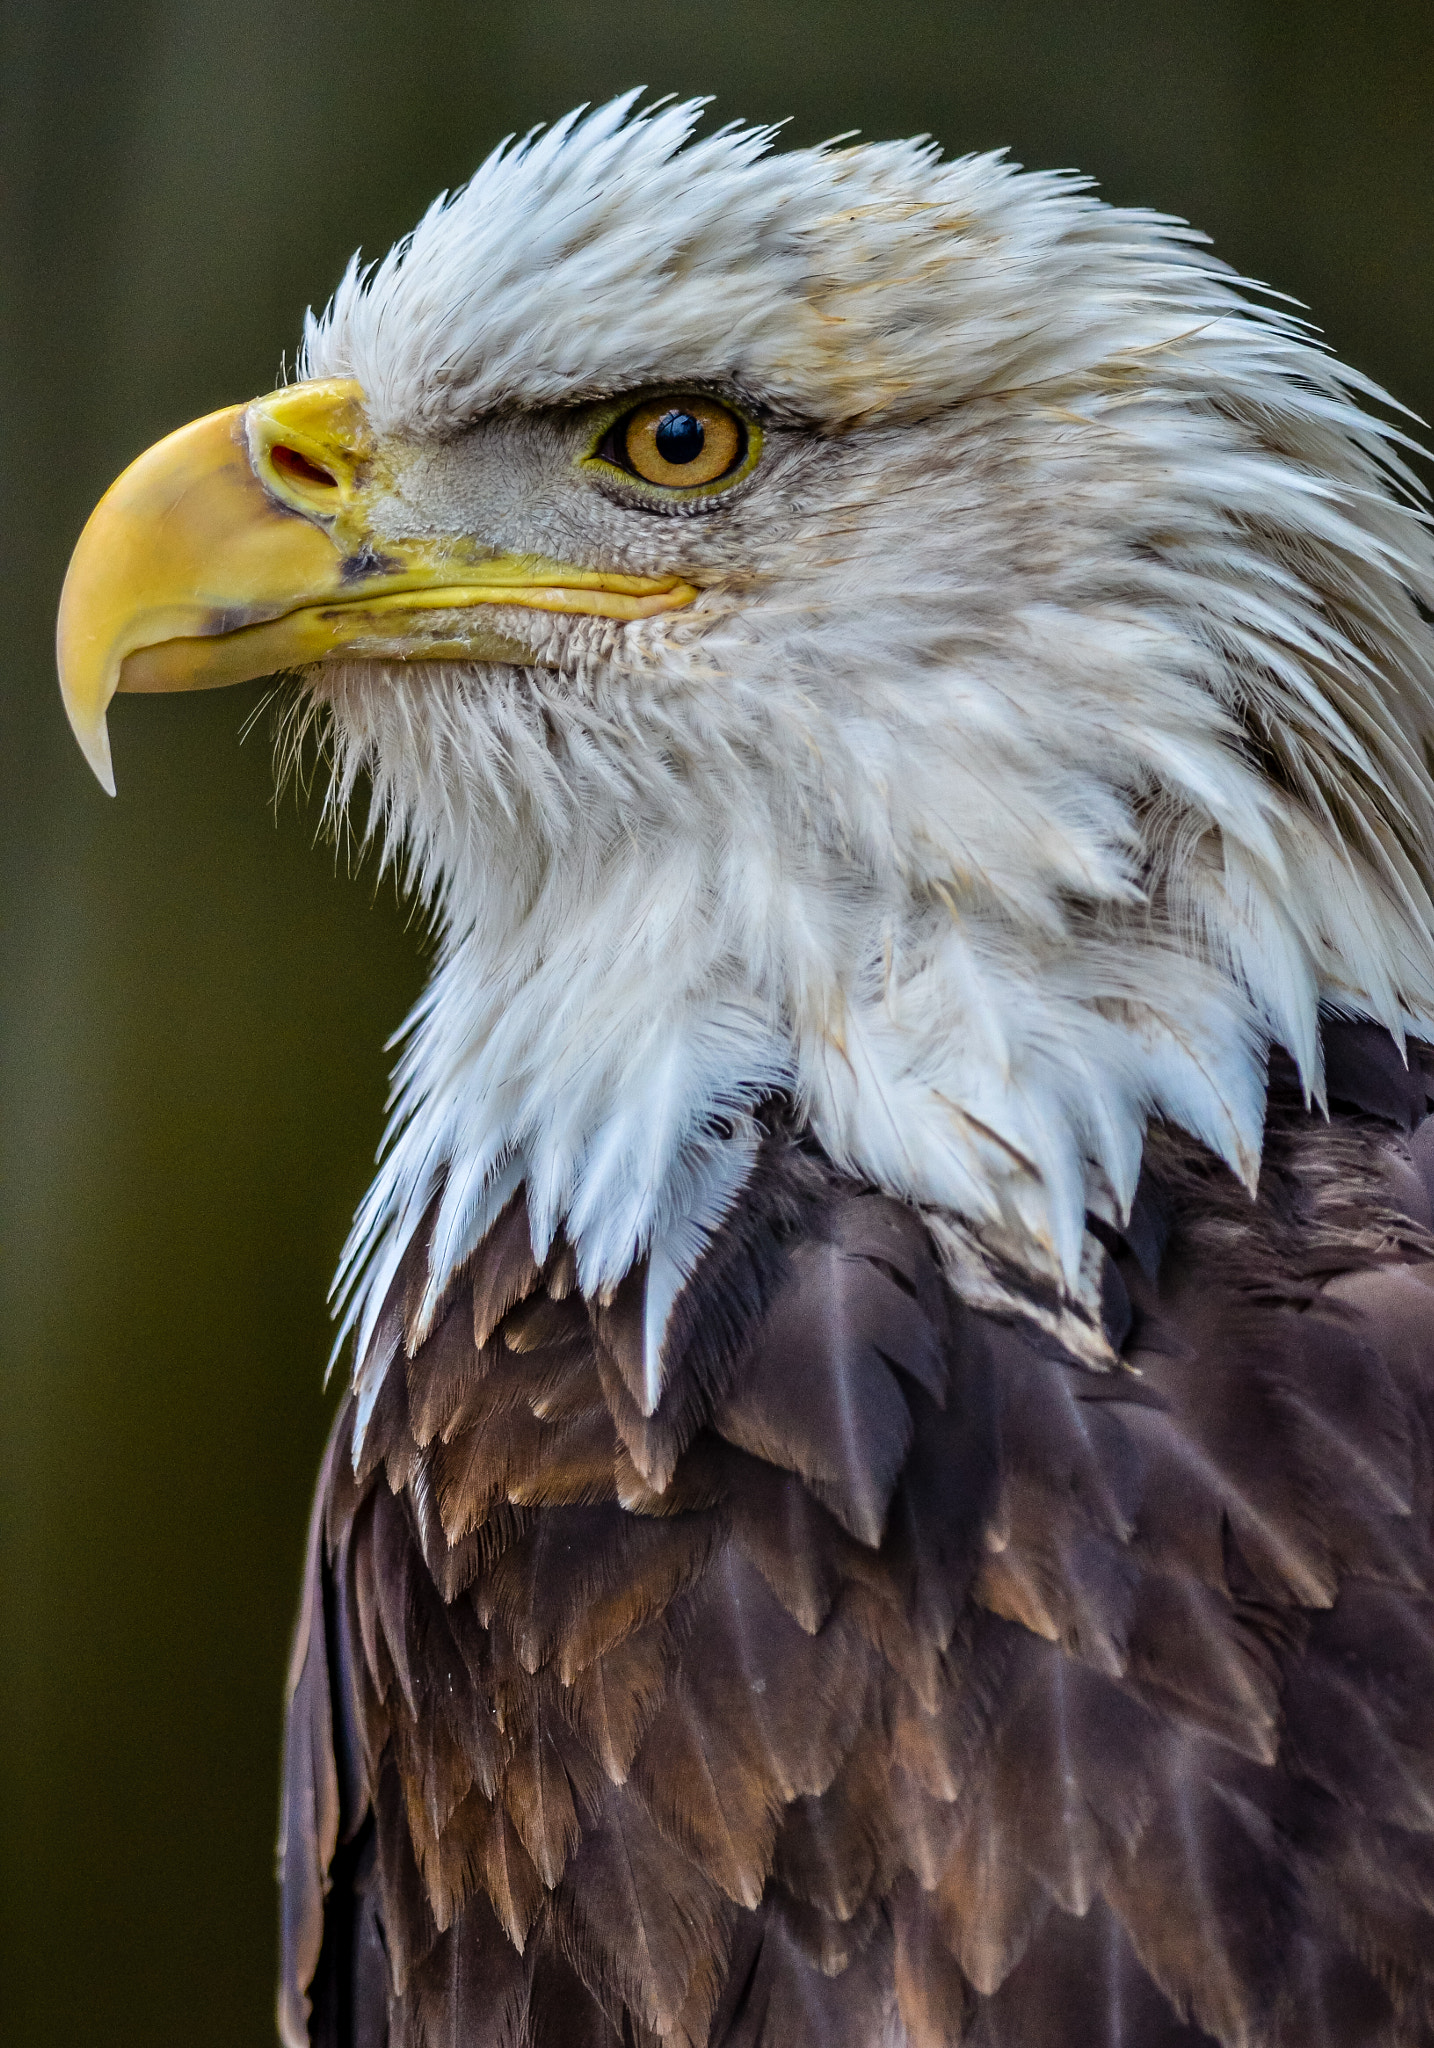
x=886 y=1494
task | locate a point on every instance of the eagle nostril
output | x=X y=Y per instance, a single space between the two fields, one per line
x=298 y=468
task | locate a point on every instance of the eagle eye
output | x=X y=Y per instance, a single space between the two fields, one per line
x=682 y=442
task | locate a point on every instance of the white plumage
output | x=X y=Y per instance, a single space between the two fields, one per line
x=1049 y=737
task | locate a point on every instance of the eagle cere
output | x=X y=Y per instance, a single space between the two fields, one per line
x=887 y=1490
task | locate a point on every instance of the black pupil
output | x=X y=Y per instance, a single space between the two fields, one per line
x=679 y=438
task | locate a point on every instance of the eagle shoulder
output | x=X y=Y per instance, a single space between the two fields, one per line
x=899 y=1677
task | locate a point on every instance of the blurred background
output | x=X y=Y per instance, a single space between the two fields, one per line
x=195 y=993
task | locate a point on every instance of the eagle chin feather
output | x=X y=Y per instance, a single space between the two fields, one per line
x=886 y=1492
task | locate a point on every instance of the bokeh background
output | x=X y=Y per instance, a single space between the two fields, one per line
x=195 y=992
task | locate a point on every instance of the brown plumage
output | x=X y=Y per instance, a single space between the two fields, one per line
x=901 y=1677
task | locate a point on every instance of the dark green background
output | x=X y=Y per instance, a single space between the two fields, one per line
x=195 y=996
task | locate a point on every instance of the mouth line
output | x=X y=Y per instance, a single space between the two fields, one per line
x=585 y=594
x=422 y=622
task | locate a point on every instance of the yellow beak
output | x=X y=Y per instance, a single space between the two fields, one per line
x=243 y=544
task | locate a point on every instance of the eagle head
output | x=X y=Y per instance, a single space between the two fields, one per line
x=894 y=636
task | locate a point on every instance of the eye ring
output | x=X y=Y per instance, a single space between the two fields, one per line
x=682 y=443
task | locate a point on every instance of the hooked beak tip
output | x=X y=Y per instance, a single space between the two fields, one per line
x=94 y=742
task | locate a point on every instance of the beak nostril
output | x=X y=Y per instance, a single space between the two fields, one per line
x=298 y=468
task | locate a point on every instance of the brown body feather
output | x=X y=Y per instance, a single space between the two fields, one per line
x=900 y=1679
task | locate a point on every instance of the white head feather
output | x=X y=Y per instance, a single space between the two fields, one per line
x=1050 y=736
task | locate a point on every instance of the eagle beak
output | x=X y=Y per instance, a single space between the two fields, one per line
x=245 y=543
